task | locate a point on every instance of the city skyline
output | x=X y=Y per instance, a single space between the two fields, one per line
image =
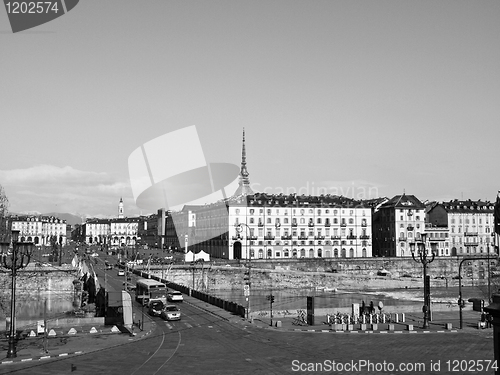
x=361 y=99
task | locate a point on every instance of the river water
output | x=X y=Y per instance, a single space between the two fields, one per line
x=32 y=306
x=296 y=299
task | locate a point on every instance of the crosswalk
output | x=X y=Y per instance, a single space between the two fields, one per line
x=179 y=324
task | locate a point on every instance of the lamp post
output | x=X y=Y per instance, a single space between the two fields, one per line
x=18 y=258
x=239 y=229
x=421 y=257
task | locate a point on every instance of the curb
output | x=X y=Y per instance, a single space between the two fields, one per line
x=41 y=358
x=354 y=331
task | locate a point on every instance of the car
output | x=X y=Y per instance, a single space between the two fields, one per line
x=121 y=273
x=171 y=312
x=109 y=267
x=155 y=307
x=175 y=296
x=94 y=255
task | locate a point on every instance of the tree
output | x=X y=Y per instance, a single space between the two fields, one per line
x=4 y=211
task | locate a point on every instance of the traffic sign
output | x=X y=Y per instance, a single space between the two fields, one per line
x=246 y=287
x=246 y=293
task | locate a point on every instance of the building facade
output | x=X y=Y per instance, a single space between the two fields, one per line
x=469 y=225
x=41 y=230
x=397 y=225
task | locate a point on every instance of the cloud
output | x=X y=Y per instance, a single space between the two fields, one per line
x=48 y=188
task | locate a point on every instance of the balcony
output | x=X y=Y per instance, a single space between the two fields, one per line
x=343 y=224
x=471 y=234
x=260 y=224
x=402 y=238
x=311 y=224
x=294 y=224
x=364 y=237
x=286 y=237
x=363 y=223
x=410 y=227
x=252 y=237
x=336 y=237
x=471 y=244
x=267 y=238
x=351 y=237
x=327 y=224
x=303 y=237
x=237 y=238
x=319 y=237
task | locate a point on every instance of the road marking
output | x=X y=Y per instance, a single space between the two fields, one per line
x=188 y=325
x=169 y=326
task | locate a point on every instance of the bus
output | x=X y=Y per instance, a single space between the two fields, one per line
x=148 y=289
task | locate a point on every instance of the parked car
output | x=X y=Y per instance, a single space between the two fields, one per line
x=175 y=296
x=155 y=307
x=171 y=312
x=121 y=273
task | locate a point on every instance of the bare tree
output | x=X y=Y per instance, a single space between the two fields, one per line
x=4 y=211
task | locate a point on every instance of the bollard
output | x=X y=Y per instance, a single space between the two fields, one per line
x=409 y=327
x=402 y=317
x=396 y=318
x=390 y=327
x=363 y=327
x=374 y=327
x=448 y=326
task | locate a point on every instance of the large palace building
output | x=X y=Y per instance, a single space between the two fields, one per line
x=253 y=225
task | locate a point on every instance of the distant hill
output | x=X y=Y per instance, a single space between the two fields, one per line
x=70 y=218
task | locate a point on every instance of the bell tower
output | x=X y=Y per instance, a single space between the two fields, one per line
x=120 y=209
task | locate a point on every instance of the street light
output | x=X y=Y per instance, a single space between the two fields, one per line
x=421 y=257
x=239 y=229
x=18 y=258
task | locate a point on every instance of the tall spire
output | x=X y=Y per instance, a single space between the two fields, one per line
x=244 y=184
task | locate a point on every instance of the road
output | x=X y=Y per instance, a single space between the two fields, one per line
x=202 y=343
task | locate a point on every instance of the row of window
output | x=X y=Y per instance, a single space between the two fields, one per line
x=302 y=253
x=302 y=211
x=277 y=221
x=469 y=221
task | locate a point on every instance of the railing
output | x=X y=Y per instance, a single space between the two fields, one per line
x=260 y=224
x=252 y=237
x=364 y=237
x=269 y=237
x=294 y=224
x=327 y=224
x=286 y=237
x=343 y=224
x=319 y=237
x=351 y=237
x=336 y=237
x=237 y=238
x=311 y=224
x=303 y=237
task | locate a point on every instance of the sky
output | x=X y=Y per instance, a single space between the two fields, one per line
x=363 y=99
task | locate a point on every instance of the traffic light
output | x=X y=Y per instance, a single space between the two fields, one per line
x=246 y=277
x=272 y=299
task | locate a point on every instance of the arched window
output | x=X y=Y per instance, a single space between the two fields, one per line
x=363 y=252
x=302 y=253
x=319 y=220
x=269 y=253
x=336 y=253
x=311 y=253
x=269 y=220
x=320 y=253
x=294 y=253
x=286 y=254
x=261 y=253
x=302 y=221
x=343 y=254
x=351 y=253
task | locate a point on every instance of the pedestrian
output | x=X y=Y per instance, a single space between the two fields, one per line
x=372 y=309
x=363 y=308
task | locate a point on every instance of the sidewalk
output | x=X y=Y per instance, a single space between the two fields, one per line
x=87 y=339
x=65 y=344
